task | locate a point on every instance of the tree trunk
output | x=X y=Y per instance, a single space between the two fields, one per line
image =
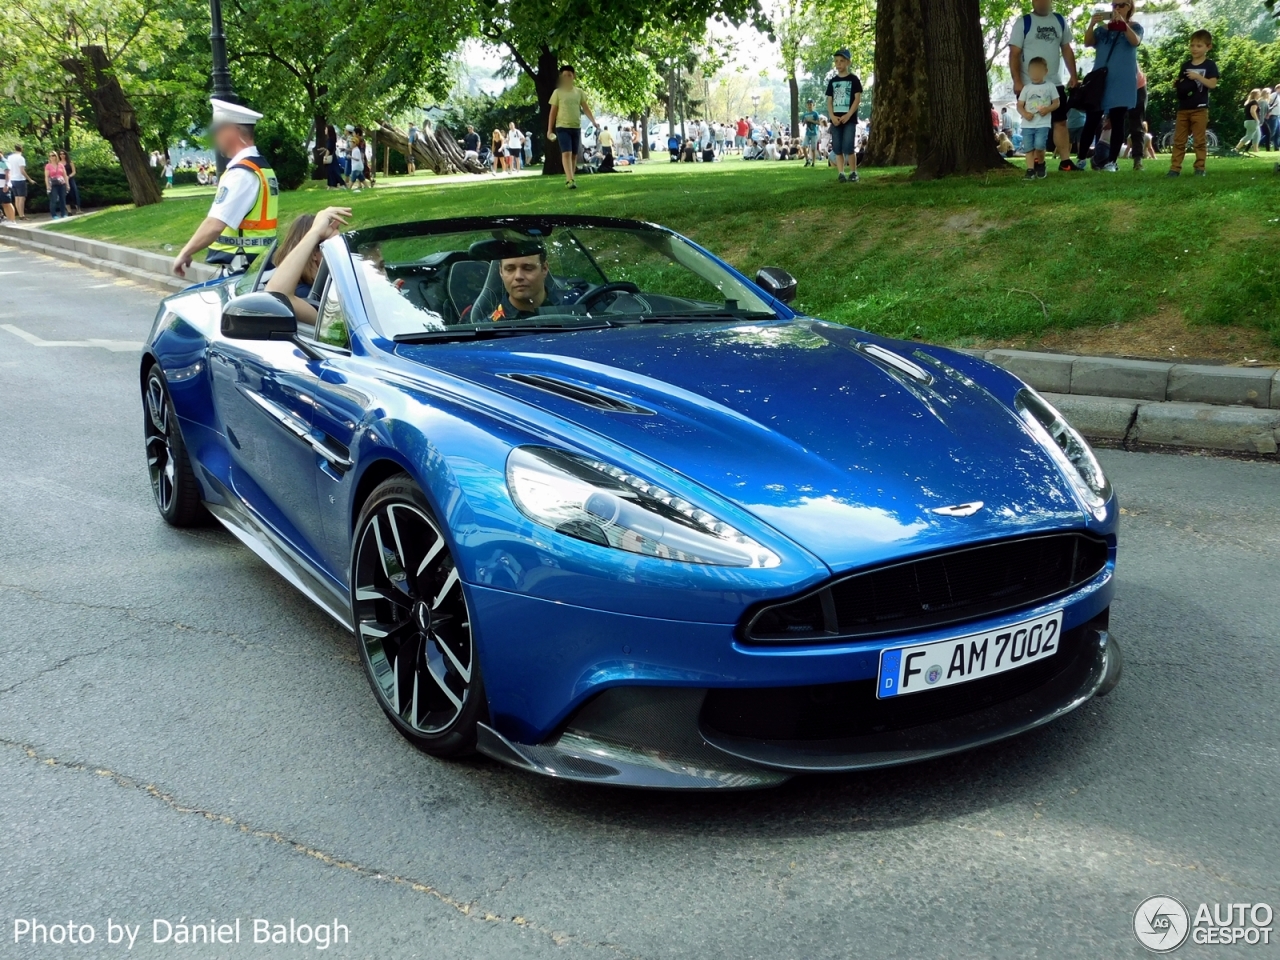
x=544 y=83
x=115 y=119
x=318 y=170
x=901 y=84
x=956 y=137
x=794 y=89
x=643 y=133
x=436 y=149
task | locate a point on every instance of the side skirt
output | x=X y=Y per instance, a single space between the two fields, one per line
x=283 y=560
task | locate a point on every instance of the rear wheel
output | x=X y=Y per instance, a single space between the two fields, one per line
x=173 y=482
x=412 y=623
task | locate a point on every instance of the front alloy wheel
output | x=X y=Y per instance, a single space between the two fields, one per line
x=412 y=622
x=173 y=483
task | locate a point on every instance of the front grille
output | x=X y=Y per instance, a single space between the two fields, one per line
x=933 y=591
x=835 y=711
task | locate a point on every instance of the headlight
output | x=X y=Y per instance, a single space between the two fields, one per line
x=1062 y=440
x=603 y=504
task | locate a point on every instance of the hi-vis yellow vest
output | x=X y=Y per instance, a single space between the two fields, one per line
x=257 y=230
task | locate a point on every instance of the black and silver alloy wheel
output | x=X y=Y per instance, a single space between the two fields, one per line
x=412 y=622
x=172 y=480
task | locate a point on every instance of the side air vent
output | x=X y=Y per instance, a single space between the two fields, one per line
x=579 y=394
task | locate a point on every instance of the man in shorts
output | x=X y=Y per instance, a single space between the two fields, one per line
x=844 y=95
x=568 y=104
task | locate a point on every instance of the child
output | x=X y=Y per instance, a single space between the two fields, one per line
x=168 y=173
x=1036 y=104
x=1196 y=78
x=844 y=95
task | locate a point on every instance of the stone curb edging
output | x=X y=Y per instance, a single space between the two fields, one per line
x=1132 y=422
x=1131 y=402
x=122 y=261
x=1151 y=380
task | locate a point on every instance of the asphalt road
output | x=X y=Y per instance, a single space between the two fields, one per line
x=182 y=735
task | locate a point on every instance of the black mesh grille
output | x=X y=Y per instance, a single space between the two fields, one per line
x=834 y=711
x=933 y=591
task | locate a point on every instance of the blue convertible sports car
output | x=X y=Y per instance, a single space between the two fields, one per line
x=598 y=506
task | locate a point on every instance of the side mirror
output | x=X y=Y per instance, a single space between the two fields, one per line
x=777 y=283
x=259 y=316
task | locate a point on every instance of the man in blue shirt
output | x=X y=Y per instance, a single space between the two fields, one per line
x=810 y=119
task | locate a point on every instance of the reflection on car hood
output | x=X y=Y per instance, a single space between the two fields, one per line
x=832 y=448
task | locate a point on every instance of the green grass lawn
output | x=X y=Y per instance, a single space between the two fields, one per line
x=964 y=260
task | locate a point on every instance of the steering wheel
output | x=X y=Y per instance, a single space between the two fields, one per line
x=589 y=299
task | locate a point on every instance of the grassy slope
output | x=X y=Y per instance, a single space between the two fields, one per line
x=961 y=260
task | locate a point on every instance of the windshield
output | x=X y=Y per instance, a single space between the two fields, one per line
x=511 y=278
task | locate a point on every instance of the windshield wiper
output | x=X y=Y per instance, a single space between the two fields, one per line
x=488 y=333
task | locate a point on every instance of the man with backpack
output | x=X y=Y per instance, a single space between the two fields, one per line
x=1044 y=33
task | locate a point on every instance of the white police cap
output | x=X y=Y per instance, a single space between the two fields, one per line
x=224 y=112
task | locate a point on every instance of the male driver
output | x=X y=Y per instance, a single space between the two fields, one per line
x=1043 y=33
x=242 y=221
x=526 y=286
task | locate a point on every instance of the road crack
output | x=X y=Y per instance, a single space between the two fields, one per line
x=470 y=909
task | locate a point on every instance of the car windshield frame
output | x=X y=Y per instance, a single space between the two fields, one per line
x=387 y=313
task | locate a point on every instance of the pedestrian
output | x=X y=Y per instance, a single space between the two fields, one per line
x=413 y=143
x=1252 y=123
x=718 y=133
x=1264 y=112
x=568 y=105
x=16 y=177
x=498 y=150
x=73 y=189
x=528 y=147
x=673 y=147
x=55 y=184
x=1273 y=118
x=844 y=95
x=344 y=151
x=242 y=220
x=626 y=143
x=1006 y=123
x=810 y=118
x=1046 y=34
x=605 y=139
x=355 y=161
x=471 y=143
x=168 y=172
x=1137 y=123
x=6 y=194
x=1116 y=44
x=515 y=146
x=1037 y=103
x=329 y=159
x=1196 y=77
x=741 y=132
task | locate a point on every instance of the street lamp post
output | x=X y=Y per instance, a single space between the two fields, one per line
x=221 y=72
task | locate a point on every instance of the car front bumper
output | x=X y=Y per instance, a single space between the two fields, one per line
x=660 y=736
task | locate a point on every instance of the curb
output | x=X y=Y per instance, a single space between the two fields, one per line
x=1151 y=380
x=126 y=262
x=1130 y=422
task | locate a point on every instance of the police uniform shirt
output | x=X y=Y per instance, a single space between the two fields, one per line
x=238 y=190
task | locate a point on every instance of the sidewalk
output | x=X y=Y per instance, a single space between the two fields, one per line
x=1133 y=403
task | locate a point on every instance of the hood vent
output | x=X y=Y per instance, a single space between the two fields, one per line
x=577 y=393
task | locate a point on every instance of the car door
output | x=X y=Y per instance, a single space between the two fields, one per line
x=263 y=393
x=340 y=406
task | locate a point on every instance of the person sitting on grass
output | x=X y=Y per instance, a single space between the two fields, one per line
x=299 y=258
x=1036 y=104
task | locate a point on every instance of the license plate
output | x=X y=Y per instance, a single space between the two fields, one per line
x=944 y=663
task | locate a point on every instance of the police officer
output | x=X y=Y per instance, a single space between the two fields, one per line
x=242 y=221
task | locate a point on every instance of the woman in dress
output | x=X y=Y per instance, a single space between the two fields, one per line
x=1116 y=42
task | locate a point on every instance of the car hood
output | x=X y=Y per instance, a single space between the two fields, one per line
x=792 y=422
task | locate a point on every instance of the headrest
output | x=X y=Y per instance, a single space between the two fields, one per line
x=506 y=249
